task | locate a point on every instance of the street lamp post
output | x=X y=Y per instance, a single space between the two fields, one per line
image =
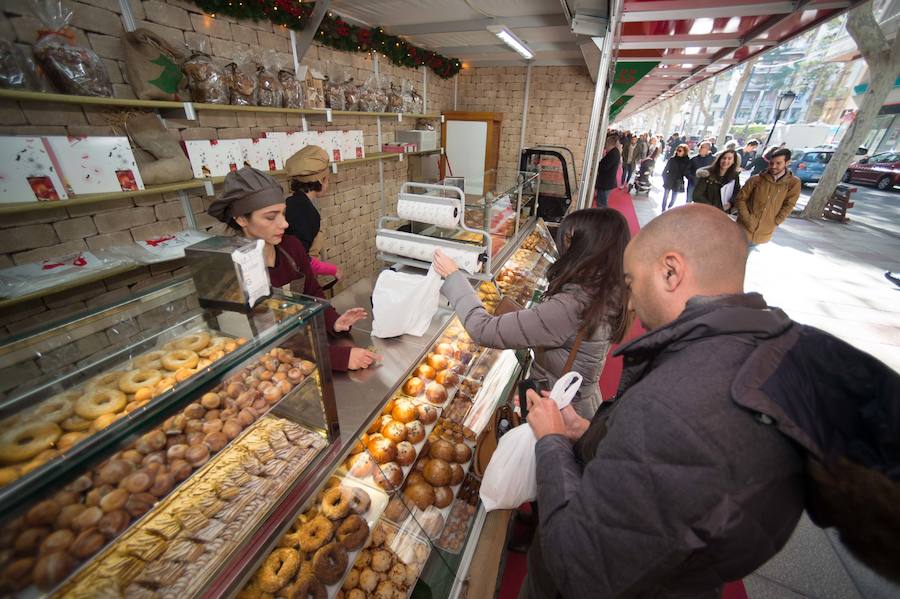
x=783 y=105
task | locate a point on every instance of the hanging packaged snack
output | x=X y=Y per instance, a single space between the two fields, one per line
x=269 y=90
x=368 y=96
x=240 y=77
x=72 y=68
x=418 y=102
x=395 y=100
x=406 y=96
x=205 y=80
x=351 y=94
x=334 y=94
x=293 y=89
x=152 y=66
x=15 y=71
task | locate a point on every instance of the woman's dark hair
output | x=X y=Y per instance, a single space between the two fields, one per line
x=235 y=227
x=592 y=247
x=305 y=186
x=731 y=173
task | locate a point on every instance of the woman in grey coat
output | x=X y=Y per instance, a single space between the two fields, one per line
x=585 y=292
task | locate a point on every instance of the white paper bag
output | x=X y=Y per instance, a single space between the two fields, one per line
x=511 y=476
x=404 y=303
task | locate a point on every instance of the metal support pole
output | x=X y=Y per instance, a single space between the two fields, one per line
x=598 y=115
x=127 y=16
x=383 y=210
x=772 y=130
x=525 y=107
x=188 y=211
x=312 y=27
x=294 y=52
x=455 y=85
x=424 y=89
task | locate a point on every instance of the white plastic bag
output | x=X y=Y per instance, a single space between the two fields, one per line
x=403 y=303
x=511 y=476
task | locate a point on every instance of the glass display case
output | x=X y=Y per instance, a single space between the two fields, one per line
x=147 y=442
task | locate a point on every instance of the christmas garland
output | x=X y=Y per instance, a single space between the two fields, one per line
x=335 y=32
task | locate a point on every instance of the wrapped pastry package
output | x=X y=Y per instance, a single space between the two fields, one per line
x=269 y=90
x=16 y=71
x=72 y=68
x=206 y=81
x=293 y=89
x=240 y=77
x=351 y=94
x=395 y=100
x=371 y=97
x=334 y=94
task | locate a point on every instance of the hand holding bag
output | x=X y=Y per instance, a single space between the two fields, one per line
x=404 y=304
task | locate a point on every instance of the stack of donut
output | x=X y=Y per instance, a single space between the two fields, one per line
x=46 y=543
x=441 y=467
x=390 y=443
x=315 y=552
x=32 y=438
x=388 y=567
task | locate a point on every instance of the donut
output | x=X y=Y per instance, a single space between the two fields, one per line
x=353 y=532
x=75 y=423
x=133 y=380
x=359 y=501
x=194 y=343
x=216 y=344
x=307 y=586
x=150 y=361
x=180 y=358
x=25 y=441
x=336 y=503
x=100 y=401
x=315 y=533
x=103 y=421
x=55 y=409
x=278 y=570
x=329 y=563
x=110 y=380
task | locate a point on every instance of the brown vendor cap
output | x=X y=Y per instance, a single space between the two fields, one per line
x=308 y=164
x=245 y=190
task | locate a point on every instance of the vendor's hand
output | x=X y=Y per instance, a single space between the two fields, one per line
x=348 y=319
x=544 y=416
x=575 y=424
x=361 y=358
x=338 y=273
x=444 y=264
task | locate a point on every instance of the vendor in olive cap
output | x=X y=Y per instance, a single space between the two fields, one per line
x=308 y=170
x=252 y=205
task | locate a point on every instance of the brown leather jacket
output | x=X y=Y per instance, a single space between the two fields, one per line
x=765 y=203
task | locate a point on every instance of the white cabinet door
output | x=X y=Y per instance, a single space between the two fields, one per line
x=466 y=147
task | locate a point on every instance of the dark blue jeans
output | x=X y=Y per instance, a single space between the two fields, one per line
x=603 y=198
x=666 y=192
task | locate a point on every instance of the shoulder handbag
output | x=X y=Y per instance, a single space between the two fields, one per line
x=506 y=418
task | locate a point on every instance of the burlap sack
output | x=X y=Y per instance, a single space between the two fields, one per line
x=153 y=67
x=158 y=154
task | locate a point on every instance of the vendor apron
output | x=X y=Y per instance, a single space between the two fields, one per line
x=296 y=285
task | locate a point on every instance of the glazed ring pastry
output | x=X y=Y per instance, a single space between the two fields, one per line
x=133 y=380
x=27 y=440
x=216 y=344
x=194 y=342
x=278 y=570
x=306 y=587
x=110 y=380
x=75 y=423
x=353 y=532
x=151 y=360
x=359 y=501
x=329 y=563
x=180 y=358
x=98 y=402
x=315 y=533
x=55 y=409
x=336 y=503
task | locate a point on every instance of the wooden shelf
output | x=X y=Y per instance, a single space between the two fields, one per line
x=196 y=106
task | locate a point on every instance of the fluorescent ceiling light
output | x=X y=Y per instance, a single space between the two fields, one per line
x=702 y=26
x=510 y=39
x=692 y=50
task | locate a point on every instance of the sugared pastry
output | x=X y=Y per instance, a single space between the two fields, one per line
x=383 y=450
x=404 y=411
x=425 y=372
x=389 y=476
x=438 y=361
x=427 y=414
x=436 y=393
x=413 y=386
x=415 y=431
x=406 y=453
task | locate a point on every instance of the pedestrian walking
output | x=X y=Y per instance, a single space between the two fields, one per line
x=674 y=174
x=638 y=153
x=627 y=153
x=718 y=183
x=671 y=145
x=747 y=154
x=761 y=162
x=768 y=198
x=608 y=169
x=703 y=159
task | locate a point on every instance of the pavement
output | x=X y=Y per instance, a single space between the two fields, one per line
x=831 y=276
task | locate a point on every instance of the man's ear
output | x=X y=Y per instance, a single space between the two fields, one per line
x=673 y=270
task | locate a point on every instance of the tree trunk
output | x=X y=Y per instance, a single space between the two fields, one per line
x=734 y=102
x=883 y=60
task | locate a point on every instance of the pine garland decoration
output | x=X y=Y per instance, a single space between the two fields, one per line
x=335 y=32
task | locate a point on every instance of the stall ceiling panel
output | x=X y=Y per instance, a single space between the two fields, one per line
x=390 y=13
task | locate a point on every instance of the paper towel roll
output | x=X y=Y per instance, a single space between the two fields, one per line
x=444 y=214
x=419 y=248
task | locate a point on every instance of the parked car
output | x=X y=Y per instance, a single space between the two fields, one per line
x=808 y=164
x=882 y=170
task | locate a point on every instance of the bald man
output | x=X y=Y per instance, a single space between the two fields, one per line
x=672 y=489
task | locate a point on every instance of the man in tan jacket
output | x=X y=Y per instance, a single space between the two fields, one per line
x=767 y=199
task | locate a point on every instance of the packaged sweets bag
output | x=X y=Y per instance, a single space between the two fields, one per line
x=293 y=89
x=206 y=81
x=269 y=91
x=153 y=66
x=240 y=77
x=334 y=93
x=72 y=68
x=395 y=100
x=351 y=94
x=16 y=72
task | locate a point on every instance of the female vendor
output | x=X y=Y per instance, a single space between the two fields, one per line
x=252 y=205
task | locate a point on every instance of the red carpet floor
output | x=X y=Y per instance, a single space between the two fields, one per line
x=516 y=567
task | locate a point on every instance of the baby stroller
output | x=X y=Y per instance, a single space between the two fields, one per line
x=642 y=181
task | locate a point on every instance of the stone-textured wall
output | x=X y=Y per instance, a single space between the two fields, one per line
x=559 y=108
x=349 y=212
